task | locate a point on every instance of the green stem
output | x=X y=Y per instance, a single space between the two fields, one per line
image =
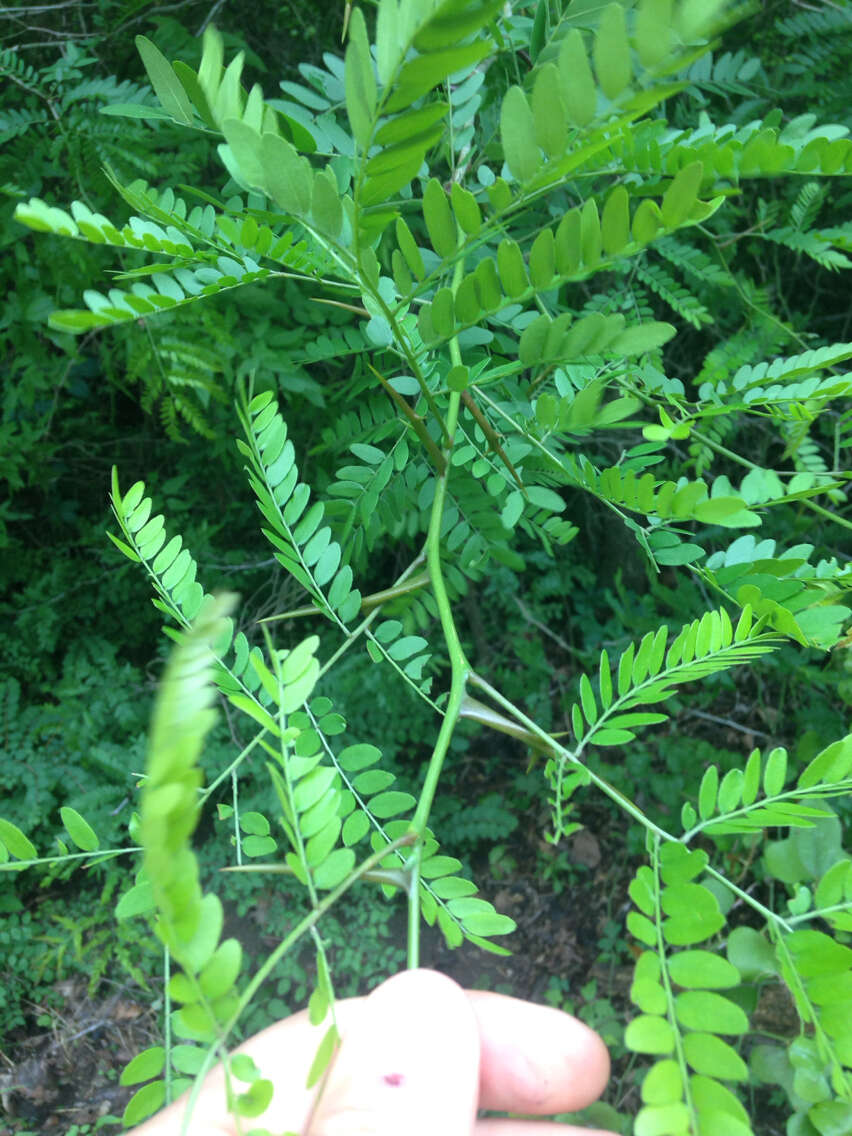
x=622 y=801
x=723 y=450
x=820 y=913
x=770 y=916
x=414 y=420
x=460 y=669
x=835 y=517
x=459 y=666
x=167 y=1022
x=231 y=769
x=92 y=857
x=793 y=977
x=491 y=436
x=568 y=755
x=400 y=588
x=458 y=663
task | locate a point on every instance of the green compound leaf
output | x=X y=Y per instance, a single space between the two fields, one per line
x=707 y=793
x=334 y=869
x=165 y=82
x=615 y=221
x=699 y=969
x=244 y=1068
x=693 y=912
x=579 y=92
x=324 y=1054
x=518 y=135
x=649 y=1034
x=80 y=831
x=775 y=772
x=422 y=73
x=326 y=207
x=717 y=1105
x=713 y=1057
x=138 y=900
x=286 y=174
x=255 y=1100
x=696 y=1009
x=454 y=22
x=569 y=363
x=439 y=219
x=145 y=1065
x=612 y=52
x=16 y=842
x=653 y=31
x=391 y=804
x=680 y=198
x=655 y=1119
x=144 y=1103
x=189 y=923
x=195 y=951
x=817 y=954
x=832 y=764
x=550 y=114
x=663 y=1083
x=751 y=954
x=465 y=208
x=220 y=972
x=360 y=81
x=679 y=865
x=643 y=337
x=510 y=264
x=188 y=1059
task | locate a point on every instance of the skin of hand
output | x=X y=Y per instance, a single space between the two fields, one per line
x=419 y=1056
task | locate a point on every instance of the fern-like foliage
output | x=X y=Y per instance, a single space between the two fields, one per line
x=677 y=979
x=650 y=672
x=250 y=685
x=801 y=599
x=682 y=1012
x=674 y=294
x=304 y=544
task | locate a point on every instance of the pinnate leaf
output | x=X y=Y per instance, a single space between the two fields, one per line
x=16 y=842
x=649 y=1034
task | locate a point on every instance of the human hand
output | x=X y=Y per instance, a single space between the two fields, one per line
x=419 y=1057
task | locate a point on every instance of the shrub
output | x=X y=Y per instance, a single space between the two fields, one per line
x=498 y=199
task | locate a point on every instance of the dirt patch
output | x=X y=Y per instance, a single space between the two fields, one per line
x=67 y=1072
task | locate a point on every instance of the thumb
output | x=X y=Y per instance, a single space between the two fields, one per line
x=408 y=1063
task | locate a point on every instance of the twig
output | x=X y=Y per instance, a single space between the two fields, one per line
x=725 y=722
x=545 y=630
x=45 y=7
x=211 y=15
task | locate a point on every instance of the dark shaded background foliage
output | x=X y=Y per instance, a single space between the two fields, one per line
x=76 y=627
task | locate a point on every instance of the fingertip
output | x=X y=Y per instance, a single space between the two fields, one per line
x=537 y=1059
x=409 y=1062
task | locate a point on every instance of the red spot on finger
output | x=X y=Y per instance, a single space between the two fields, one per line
x=393 y=1079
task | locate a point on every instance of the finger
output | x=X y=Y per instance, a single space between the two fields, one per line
x=534 y=1058
x=409 y=1063
x=284 y=1053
